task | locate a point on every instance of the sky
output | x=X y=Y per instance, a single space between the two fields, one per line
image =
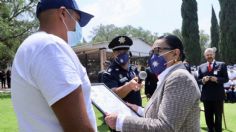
x=159 y=16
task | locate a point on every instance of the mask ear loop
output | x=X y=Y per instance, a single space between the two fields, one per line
x=169 y=62
x=173 y=60
x=65 y=24
x=70 y=15
x=64 y=21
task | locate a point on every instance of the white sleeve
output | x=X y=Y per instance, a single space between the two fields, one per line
x=54 y=73
x=140 y=111
x=119 y=122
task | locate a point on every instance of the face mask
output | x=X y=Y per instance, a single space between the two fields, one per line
x=158 y=63
x=74 y=37
x=122 y=59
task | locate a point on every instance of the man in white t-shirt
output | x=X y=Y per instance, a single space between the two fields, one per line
x=50 y=87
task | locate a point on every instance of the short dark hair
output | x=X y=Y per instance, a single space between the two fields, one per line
x=175 y=43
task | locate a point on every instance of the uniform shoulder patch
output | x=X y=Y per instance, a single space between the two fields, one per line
x=109 y=70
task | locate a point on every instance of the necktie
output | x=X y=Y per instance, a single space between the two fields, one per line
x=209 y=67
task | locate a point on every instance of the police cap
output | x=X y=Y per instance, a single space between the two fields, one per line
x=120 y=42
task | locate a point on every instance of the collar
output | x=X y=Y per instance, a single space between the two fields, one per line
x=164 y=73
x=211 y=62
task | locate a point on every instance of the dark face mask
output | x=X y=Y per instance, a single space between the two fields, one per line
x=122 y=59
x=157 y=64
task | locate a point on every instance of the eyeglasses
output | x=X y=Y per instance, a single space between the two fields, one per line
x=157 y=50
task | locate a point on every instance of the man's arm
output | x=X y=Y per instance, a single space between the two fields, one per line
x=124 y=90
x=71 y=112
x=224 y=78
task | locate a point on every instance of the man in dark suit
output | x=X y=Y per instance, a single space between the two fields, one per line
x=212 y=75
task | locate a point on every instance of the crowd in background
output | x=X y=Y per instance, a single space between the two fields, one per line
x=151 y=80
x=5 y=78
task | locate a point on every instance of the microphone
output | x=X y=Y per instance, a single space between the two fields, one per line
x=141 y=76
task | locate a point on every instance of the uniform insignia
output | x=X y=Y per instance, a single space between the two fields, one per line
x=120 y=76
x=109 y=70
x=122 y=80
x=133 y=68
x=121 y=60
x=155 y=63
x=122 y=40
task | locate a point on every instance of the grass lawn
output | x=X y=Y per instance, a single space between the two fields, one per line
x=8 y=121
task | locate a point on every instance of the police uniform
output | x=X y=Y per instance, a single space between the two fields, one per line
x=115 y=76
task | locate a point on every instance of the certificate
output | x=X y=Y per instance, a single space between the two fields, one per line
x=108 y=102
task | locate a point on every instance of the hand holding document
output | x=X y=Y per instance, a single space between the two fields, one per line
x=108 y=102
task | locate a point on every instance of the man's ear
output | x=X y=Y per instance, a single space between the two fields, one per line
x=62 y=12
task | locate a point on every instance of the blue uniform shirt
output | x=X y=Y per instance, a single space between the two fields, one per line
x=116 y=76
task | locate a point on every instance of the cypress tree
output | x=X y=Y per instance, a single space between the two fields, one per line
x=227 y=43
x=214 y=32
x=190 y=31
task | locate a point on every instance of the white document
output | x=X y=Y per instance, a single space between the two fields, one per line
x=108 y=102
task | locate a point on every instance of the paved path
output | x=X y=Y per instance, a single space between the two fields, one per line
x=5 y=90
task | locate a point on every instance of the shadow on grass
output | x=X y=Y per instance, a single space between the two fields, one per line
x=225 y=130
x=103 y=128
x=204 y=128
x=5 y=95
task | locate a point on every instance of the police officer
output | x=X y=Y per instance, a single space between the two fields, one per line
x=118 y=76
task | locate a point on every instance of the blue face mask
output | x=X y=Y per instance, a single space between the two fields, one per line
x=157 y=64
x=74 y=37
x=122 y=59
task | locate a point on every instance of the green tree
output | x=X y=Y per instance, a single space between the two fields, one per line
x=15 y=24
x=214 y=32
x=103 y=33
x=204 y=42
x=227 y=46
x=178 y=33
x=5 y=55
x=190 y=31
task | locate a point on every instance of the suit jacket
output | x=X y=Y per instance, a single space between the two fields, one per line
x=212 y=91
x=174 y=106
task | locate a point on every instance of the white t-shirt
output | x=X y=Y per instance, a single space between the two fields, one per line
x=46 y=69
